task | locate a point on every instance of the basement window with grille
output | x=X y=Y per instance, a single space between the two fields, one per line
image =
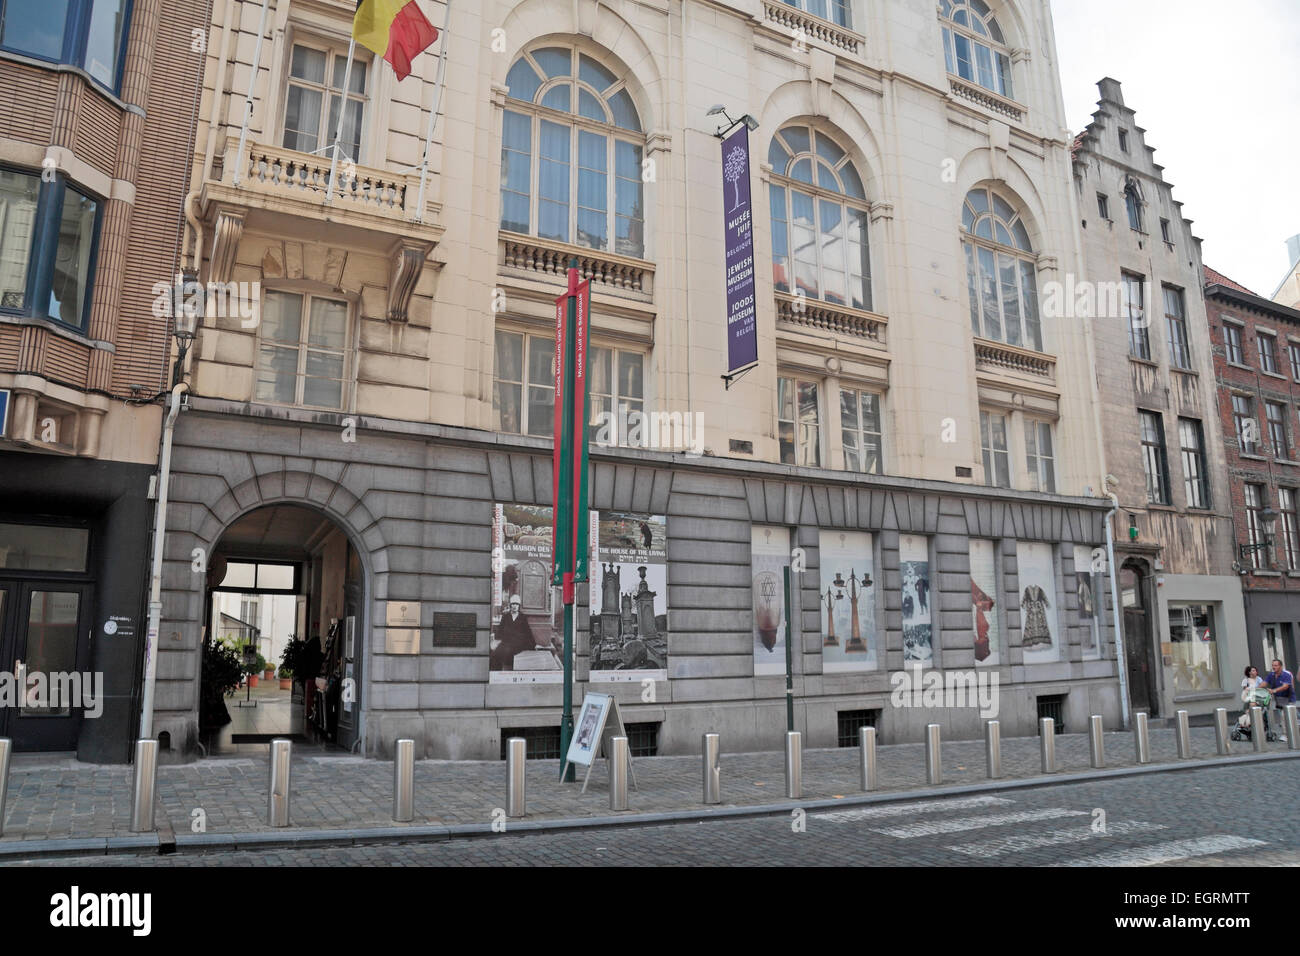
x=643 y=739
x=540 y=743
x=851 y=721
x=1053 y=705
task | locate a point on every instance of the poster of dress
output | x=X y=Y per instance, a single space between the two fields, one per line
x=1040 y=635
x=985 y=600
x=1092 y=601
x=769 y=556
x=629 y=596
x=914 y=572
x=848 y=601
x=527 y=640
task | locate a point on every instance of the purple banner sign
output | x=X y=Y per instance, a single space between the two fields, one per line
x=742 y=329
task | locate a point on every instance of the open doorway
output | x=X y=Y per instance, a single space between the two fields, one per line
x=283 y=618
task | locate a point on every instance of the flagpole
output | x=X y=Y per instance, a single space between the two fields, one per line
x=248 y=100
x=433 y=113
x=338 y=127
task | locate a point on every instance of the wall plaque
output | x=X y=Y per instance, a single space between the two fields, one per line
x=454 y=629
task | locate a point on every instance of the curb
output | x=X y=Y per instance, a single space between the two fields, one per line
x=151 y=843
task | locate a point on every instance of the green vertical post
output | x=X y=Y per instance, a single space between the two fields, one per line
x=564 y=520
x=789 y=657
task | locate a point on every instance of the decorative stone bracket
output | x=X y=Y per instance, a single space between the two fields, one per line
x=227 y=230
x=408 y=262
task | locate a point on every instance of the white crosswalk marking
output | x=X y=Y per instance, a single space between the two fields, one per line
x=1017 y=844
x=1166 y=852
x=935 y=827
x=908 y=809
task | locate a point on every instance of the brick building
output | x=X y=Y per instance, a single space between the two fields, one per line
x=1257 y=369
x=99 y=111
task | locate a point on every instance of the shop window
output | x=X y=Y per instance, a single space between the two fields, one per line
x=90 y=34
x=49 y=232
x=1195 y=648
x=29 y=547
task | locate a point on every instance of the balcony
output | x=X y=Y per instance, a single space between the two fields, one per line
x=547 y=259
x=791 y=22
x=1000 y=359
x=800 y=313
x=986 y=98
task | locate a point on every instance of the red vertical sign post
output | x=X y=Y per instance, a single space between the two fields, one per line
x=570 y=530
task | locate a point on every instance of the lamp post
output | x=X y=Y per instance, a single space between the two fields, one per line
x=185 y=317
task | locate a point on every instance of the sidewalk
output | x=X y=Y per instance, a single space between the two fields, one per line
x=61 y=799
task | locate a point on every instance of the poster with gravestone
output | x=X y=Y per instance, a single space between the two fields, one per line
x=1040 y=635
x=769 y=557
x=527 y=640
x=914 y=574
x=629 y=596
x=848 y=601
x=985 y=599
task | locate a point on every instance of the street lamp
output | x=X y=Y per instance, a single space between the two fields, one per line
x=720 y=109
x=1268 y=524
x=185 y=321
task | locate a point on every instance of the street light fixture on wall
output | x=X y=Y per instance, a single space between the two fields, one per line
x=1268 y=524
x=185 y=321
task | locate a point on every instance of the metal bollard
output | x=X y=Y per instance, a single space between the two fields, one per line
x=618 y=767
x=146 y=786
x=712 y=769
x=867 y=750
x=1257 y=728
x=1096 y=743
x=404 y=782
x=933 y=759
x=793 y=764
x=1142 y=736
x=277 y=804
x=516 y=797
x=1047 y=743
x=1184 y=735
x=1222 y=743
x=993 y=748
x=1292 y=736
x=6 y=748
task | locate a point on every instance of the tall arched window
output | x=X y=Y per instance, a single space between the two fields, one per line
x=973 y=45
x=571 y=148
x=1133 y=204
x=819 y=220
x=1000 y=271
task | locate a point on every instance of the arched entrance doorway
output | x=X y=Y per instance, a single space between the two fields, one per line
x=1133 y=585
x=279 y=574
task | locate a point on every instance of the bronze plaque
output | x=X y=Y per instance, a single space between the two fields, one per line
x=454 y=629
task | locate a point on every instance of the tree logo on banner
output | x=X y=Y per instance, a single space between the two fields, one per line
x=733 y=170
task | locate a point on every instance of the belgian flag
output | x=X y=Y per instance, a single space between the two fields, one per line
x=395 y=30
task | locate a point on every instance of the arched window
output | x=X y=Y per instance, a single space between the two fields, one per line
x=1133 y=204
x=973 y=45
x=819 y=220
x=1000 y=271
x=571 y=148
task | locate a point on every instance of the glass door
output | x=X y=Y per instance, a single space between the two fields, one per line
x=47 y=648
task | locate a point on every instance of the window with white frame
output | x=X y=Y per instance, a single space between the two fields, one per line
x=311 y=104
x=1196 y=480
x=1040 y=456
x=1133 y=205
x=819 y=219
x=1180 y=352
x=1293 y=352
x=571 y=154
x=974 y=46
x=1139 y=342
x=1243 y=417
x=836 y=11
x=1275 y=415
x=1232 y=344
x=617 y=397
x=860 y=431
x=1286 y=506
x=302 y=350
x=1000 y=278
x=1267 y=352
x=798 y=421
x=1155 y=460
x=523 y=387
x=1256 y=499
x=993 y=445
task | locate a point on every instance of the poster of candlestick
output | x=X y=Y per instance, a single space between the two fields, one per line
x=985 y=599
x=527 y=639
x=1092 y=601
x=629 y=596
x=914 y=572
x=1039 y=633
x=848 y=600
x=769 y=556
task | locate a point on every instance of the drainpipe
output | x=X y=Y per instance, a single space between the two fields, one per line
x=1121 y=657
x=155 y=579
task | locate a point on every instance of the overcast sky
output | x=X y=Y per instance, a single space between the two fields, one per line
x=1216 y=86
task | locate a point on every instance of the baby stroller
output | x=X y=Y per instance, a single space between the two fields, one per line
x=1243 y=729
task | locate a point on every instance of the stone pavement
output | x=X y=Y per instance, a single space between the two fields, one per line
x=61 y=799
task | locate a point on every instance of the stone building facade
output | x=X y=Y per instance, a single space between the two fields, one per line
x=1159 y=413
x=93 y=145
x=1257 y=369
x=911 y=191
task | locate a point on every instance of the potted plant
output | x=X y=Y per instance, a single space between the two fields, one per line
x=254 y=667
x=286 y=677
x=269 y=673
x=221 y=675
x=292 y=658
